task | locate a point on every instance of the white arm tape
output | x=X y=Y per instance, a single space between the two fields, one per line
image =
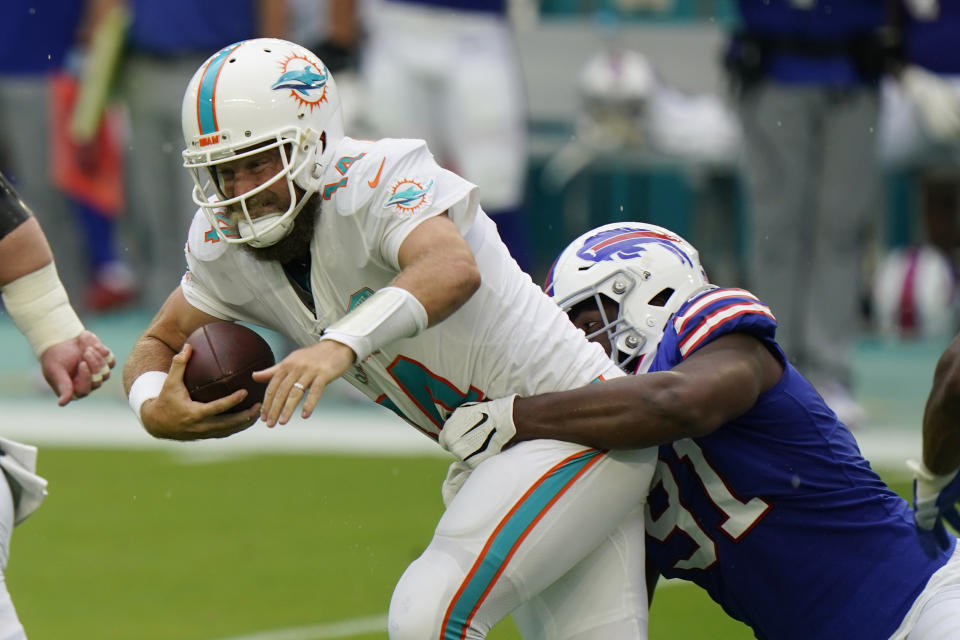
x=146 y=387
x=39 y=306
x=389 y=314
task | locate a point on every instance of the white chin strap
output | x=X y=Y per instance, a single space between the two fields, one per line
x=266 y=230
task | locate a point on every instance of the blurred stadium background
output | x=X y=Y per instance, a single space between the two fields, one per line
x=300 y=532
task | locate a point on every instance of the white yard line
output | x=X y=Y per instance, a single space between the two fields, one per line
x=340 y=629
x=339 y=429
x=105 y=424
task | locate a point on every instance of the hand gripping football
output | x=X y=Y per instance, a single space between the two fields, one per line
x=225 y=354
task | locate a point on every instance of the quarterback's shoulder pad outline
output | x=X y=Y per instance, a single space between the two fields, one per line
x=716 y=312
x=365 y=173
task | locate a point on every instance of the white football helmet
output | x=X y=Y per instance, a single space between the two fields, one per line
x=647 y=270
x=616 y=86
x=253 y=96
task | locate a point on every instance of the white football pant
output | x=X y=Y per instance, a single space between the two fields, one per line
x=935 y=614
x=523 y=520
x=10 y=627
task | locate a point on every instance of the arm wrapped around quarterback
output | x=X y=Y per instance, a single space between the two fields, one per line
x=389 y=314
x=478 y=430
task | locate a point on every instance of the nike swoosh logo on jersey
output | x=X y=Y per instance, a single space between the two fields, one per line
x=376 y=179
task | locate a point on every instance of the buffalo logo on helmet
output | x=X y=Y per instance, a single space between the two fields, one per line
x=626 y=244
x=306 y=80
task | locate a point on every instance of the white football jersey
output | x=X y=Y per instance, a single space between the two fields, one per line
x=508 y=338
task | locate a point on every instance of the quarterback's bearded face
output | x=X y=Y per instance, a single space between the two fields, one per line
x=296 y=244
x=260 y=193
x=247 y=175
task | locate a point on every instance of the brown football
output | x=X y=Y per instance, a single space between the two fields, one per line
x=225 y=354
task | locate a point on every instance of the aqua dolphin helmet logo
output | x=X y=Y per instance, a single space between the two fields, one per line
x=305 y=79
x=302 y=81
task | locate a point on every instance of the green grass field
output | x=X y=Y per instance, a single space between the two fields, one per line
x=155 y=546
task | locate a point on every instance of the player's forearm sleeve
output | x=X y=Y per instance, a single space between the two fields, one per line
x=389 y=314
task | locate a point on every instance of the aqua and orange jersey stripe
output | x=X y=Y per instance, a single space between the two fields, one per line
x=507 y=538
x=206 y=105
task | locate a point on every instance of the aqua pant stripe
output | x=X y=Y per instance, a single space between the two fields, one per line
x=508 y=536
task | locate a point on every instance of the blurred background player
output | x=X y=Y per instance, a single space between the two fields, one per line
x=447 y=71
x=807 y=75
x=626 y=107
x=88 y=136
x=165 y=42
x=34 y=43
x=915 y=288
x=921 y=118
x=751 y=460
x=352 y=249
x=74 y=363
x=77 y=185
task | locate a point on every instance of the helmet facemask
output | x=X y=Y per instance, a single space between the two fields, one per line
x=260 y=230
x=630 y=342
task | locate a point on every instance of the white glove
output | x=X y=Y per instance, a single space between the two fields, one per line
x=935 y=500
x=457 y=474
x=937 y=101
x=478 y=430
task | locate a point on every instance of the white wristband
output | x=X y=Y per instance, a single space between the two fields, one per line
x=38 y=305
x=147 y=386
x=389 y=314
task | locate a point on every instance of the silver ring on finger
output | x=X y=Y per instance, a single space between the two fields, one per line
x=299 y=385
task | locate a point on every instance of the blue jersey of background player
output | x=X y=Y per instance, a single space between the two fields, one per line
x=769 y=505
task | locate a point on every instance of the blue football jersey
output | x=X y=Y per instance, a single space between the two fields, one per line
x=776 y=514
